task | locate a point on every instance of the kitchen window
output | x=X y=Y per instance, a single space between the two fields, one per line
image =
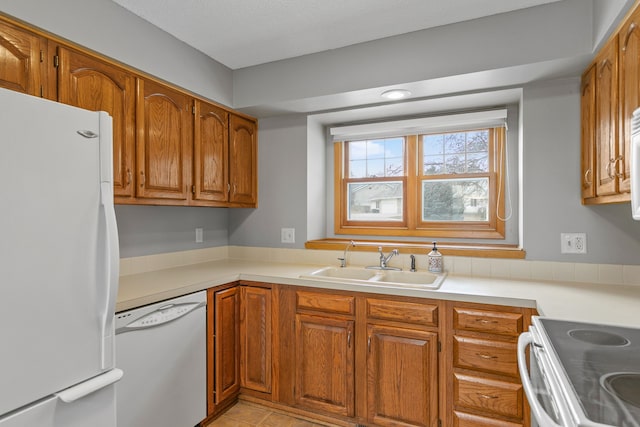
x=441 y=183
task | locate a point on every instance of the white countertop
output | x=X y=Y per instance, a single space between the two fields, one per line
x=596 y=303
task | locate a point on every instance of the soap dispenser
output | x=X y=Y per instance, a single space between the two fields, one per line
x=435 y=260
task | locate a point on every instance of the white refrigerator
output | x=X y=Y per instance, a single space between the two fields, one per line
x=59 y=263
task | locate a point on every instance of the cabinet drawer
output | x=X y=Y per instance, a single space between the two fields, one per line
x=493 y=322
x=487 y=355
x=492 y=396
x=460 y=419
x=400 y=311
x=327 y=303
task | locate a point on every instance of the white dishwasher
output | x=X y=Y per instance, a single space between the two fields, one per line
x=162 y=350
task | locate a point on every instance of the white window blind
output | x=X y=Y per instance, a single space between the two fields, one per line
x=450 y=122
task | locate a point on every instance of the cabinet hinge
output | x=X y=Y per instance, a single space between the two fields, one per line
x=193 y=189
x=439 y=347
x=56 y=61
x=193 y=109
x=41 y=56
x=41 y=92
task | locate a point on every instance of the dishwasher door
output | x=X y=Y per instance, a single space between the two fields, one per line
x=162 y=350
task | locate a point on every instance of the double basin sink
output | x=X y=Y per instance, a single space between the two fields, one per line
x=395 y=278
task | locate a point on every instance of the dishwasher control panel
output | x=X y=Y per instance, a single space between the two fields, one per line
x=162 y=314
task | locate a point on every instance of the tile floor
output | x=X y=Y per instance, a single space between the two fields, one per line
x=245 y=414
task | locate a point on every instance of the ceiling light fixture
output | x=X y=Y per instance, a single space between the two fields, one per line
x=395 y=94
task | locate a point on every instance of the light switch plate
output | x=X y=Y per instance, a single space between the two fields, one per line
x=288 y=235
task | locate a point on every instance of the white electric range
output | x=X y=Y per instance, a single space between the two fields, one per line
x=581 y=374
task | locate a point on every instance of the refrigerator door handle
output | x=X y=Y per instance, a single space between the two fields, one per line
x=85 y=388
x=112 y=276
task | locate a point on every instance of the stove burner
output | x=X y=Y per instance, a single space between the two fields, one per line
x=624 y=385
x=596 y=337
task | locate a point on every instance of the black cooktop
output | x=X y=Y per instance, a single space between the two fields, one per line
x=602 y=364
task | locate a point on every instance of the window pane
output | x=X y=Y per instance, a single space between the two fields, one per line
x=375 y=149
x=357 y=150
x=375 y=201
x=455 y=199
x=454 y=143
x=433 y=144
x=461 y=152
x=478 y=141
x=433 y=165
x=477 y=162
x=394 y=147
x=379 y=157
x=455 y=163
x=358 y=169
x=375 y=168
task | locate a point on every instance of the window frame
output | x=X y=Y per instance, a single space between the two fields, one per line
x=412 y=225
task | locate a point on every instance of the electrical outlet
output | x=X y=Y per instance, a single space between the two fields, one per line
x=573 y=243
x=199 y=235
x=288 y=235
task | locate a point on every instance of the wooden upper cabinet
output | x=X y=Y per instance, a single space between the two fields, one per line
x=89 y=83
x=164 y=123
x=243 y=161
x=607 y=118
x=22 y=60
x=211 y=153
x=587 y=105
x=629 y=81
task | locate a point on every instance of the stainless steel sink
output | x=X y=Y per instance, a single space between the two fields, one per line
x=406 y=279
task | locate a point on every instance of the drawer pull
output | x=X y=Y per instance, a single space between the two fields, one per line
x=486 y=356
x=487 y=396
x=485 y=321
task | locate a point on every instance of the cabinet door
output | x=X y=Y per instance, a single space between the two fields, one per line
x=243 y=161
x=227 y=344
x=211 y=153
x=255 y=332
x=91 y=84
x=588 y=128
x=164 y=123
x=606 y=118
x=324 y=364
x=402 y=370
x=629 y=56
x=21 y=60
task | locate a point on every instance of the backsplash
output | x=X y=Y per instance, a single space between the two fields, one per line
x=606 y=274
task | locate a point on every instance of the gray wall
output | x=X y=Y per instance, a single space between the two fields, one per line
x=550 y=32
x=147 y=230
x=282 y=186
x=552 y=184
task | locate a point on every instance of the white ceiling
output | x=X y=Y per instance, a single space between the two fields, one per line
x=242 y=33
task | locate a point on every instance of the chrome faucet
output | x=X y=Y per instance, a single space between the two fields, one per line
x=343 y=260
x=384 y=260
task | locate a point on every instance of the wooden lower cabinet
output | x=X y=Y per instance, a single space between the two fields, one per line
x=365 y=359
x=325 y=356
x=223 y=358
x=256 y=338
x=481 y=371
x=402 y=380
